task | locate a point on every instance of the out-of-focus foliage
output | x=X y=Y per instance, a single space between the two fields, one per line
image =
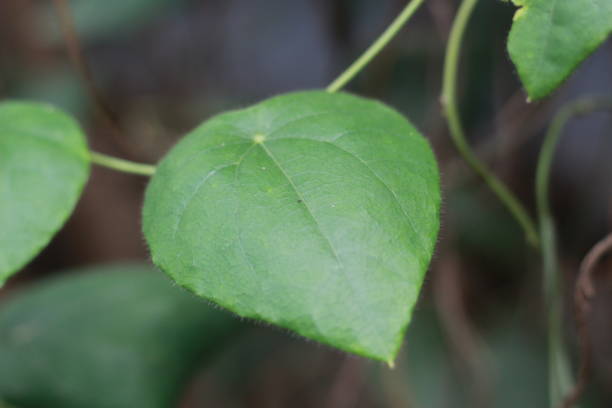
x=98 y=20
x=44 y=164
x=106 y=337
x=513 y=367
x=61 y=89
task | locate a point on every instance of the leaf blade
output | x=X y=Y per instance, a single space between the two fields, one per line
x=110 y=336
x=44 y=164
x=550 y=38
x=311 y=211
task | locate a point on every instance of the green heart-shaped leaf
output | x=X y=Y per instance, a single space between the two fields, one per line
x=316 y=212
x=44 y=163
x=118 y=336
x=550 y=38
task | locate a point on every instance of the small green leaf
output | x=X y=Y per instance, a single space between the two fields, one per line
x=550 y=38
x=316 y=212
x=44 y=164
x=117 y=336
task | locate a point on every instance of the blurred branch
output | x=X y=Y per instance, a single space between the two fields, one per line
x=583 y=295
x=467 y=346
x=345 y=388
x=442 y=16
x=75 y=54
x=560 y=376
x=376 y=47
x=449 y=104
x=516 y=123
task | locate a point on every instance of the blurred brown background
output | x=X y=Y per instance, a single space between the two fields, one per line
x=164 y=66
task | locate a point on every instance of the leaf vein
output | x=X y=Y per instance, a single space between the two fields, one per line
x=183 y=208
x=331 y=247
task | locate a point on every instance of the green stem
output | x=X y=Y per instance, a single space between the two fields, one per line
x=121 y=165
x=376 y=47
x=559 y=373
x=449 y=103
x=560 y=378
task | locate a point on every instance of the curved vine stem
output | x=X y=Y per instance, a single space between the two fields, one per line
x=560 y=380
x=376 y=47
x=121 y=165
x=583 y=296
x=449 y=104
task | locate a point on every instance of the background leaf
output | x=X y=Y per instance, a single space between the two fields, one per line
x=513 y=363
x=96 y=20
x=44 y=163
x=549 y=38
x=313 y=211
x=114 y=336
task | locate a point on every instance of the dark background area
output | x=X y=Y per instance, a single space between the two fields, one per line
x=164 y=66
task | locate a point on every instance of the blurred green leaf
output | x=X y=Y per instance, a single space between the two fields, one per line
x=95 y=19
x=107 y=337
x=431 y=377
x=520 y=367
x=513 y=360
x=60 y=88
x=44 y=164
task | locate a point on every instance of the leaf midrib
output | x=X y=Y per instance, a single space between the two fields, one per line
x=303 y=201
x=329 y=243
x=379 y=179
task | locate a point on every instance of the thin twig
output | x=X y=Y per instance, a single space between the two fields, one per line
x=75 y=54
x=468 y=348
x=442 y=16
x=344 y=392
x=74 y=49
x=583 y=296
x=377 y=46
